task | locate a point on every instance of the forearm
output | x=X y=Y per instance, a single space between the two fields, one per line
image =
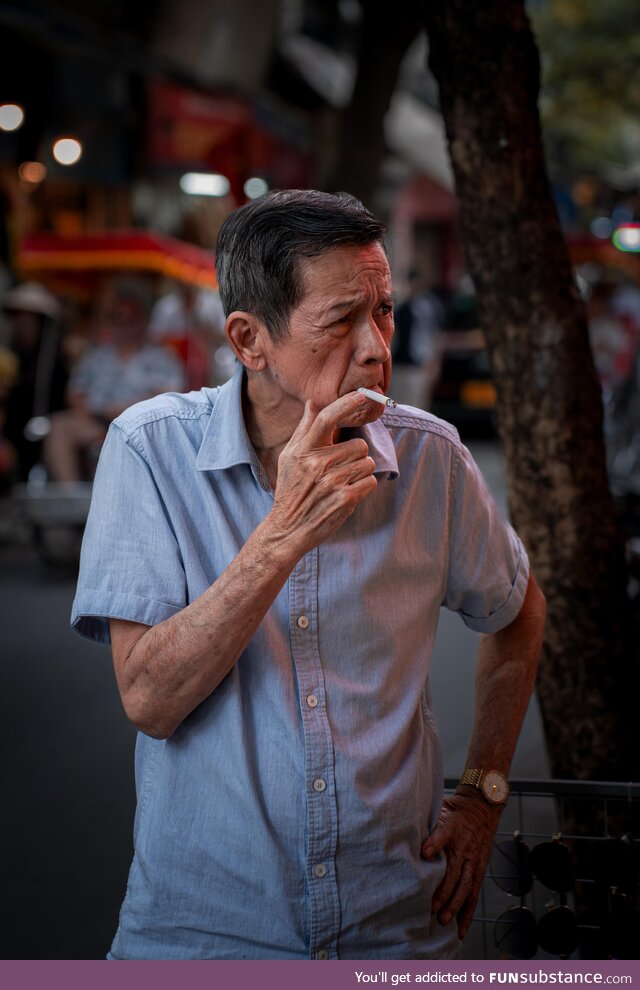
x=507 y=665
x=505 y=678
x=168 y=669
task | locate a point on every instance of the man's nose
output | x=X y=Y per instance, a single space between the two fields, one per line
x=372 y=346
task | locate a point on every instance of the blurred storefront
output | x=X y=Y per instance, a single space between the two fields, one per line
x=139 y=123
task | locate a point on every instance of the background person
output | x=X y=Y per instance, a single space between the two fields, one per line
x=191 y=321
x=37 y=388
x=268 y=560
x=417 y=344
x=122 y=369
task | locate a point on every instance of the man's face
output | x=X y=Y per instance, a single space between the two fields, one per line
x=340 y=334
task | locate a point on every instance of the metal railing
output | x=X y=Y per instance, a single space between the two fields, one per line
x=589 y=818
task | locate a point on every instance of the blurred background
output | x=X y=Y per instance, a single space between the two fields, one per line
x=128 y=132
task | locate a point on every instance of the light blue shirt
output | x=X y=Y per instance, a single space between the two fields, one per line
x=284 y=817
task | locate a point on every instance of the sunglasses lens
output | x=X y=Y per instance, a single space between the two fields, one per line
x=615 y=865
x=515 y=933
x=552 y=864
x=557 y=931
x=622 y=929
x=511 y=867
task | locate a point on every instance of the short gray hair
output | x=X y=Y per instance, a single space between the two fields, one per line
x=261 y=244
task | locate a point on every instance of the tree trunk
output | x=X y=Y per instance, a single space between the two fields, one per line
x=360 y=128
x=484 y=58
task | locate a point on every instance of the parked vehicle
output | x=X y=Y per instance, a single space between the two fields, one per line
x=464 y=393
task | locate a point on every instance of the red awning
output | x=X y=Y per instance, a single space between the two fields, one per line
x=43 y=254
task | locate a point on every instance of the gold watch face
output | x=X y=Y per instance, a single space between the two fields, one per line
x=494 y=787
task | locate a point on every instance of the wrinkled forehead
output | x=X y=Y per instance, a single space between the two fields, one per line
x=349 y=269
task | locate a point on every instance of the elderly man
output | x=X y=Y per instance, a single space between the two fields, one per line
x=269 y=559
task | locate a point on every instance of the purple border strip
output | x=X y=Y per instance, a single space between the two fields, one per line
x=295 y=975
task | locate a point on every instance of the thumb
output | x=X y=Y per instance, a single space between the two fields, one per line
x=436 y=841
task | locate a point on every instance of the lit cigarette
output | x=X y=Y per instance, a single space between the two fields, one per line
x=382 y=399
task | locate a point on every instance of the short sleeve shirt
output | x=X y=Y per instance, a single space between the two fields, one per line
x=284 y=817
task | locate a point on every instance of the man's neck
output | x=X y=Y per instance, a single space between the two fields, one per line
x=270 y=418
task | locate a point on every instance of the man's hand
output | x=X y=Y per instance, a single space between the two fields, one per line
x=321 y=482
x=465 y=834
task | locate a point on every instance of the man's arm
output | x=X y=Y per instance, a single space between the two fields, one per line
x=505 y=678
x=165 y=671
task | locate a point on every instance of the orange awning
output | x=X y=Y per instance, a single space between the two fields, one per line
x=42 y=254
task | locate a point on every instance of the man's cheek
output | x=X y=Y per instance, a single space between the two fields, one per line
x=324 y=393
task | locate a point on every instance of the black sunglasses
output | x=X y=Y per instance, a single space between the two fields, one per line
x=615 y=862
x=514 y=933
x=511 y=866
x=615 y=871
x=552 y=865
x=621 y=926
x=514 y=866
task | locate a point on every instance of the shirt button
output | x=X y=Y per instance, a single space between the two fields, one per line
x=319 y=785
x=312 y=701
x=320 y=870
x=323 y=954
x=303 y=622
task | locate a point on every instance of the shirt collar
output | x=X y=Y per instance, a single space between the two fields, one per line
x=226 y=442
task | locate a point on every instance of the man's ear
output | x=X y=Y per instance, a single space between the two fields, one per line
x=246 y=336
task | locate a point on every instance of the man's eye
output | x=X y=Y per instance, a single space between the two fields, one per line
x=386 y=309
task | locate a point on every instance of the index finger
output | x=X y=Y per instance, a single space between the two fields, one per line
x=325 y=423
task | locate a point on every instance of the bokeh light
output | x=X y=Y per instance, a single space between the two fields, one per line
x=33 y=172
x=11 y=116
x=67 y=151
x=626 y=237
x=205 y=184
x=601 y=227
x=254 y=187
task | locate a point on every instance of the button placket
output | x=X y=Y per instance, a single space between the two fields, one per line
x=324 y=914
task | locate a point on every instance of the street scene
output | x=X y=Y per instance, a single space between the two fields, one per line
x=320 y=342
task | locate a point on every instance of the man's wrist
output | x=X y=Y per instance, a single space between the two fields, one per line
x=467 y=790
x=491 y=785
x=275 y=546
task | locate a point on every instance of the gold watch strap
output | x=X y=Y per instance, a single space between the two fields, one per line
x=471 y=777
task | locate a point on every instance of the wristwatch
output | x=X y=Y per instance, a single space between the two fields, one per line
x=492 y=784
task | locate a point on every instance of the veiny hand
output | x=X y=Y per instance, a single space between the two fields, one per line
x=465 y=832
x=320 y=482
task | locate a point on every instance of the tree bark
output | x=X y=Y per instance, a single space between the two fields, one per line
x=485 y=60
